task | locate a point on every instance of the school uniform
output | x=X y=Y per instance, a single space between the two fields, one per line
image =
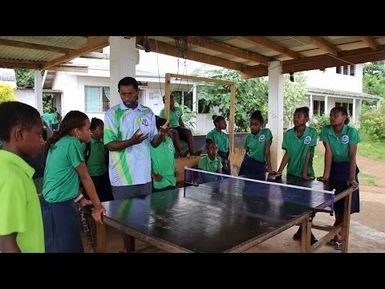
x=162 y=158
x=340 y=169
x=297 y=149
x=97 y=169
x=60 y=188
x=254 y=162
x=20 y=210
x=222 y=141
x=207 y=164
x=175 y=115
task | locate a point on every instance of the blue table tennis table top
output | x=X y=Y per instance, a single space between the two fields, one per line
x=217 y=216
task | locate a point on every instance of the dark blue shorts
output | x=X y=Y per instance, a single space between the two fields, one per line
x=252 y=168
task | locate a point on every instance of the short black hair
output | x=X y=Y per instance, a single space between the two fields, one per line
x=128 y=81
x=95 y=122
x=13 y=113
x=257 y=115
x=217 y=119
x=209 y=141
x=304 y=110
x=343 y=110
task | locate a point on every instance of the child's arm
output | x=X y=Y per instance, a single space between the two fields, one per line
x=89 y=187
x=328 y=162
x=8 y=244
x=267 y=155
x=284 y=162
x=306 y=165
x=353 y=165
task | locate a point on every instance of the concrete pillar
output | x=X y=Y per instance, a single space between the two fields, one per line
x=123 y=59
x=327 y=109
x=39 y=91
x=195 y=99
x=311 y=109
x=275 y=114
x=354 y=111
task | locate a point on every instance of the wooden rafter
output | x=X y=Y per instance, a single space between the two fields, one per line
x=72 y=68
x=356 y=56
x=227 y=48
x=370 y=41
x=324 y=45
x=272 y=45
x=93 y=43
x=28 y=45
x=12 y=63
x=164 y=48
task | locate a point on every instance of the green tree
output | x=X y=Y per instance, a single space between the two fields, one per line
x=7 y=93
x=252 y=94
x=25 y=77
x=374 y=78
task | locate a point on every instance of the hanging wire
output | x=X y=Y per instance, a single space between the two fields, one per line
x=157 y=63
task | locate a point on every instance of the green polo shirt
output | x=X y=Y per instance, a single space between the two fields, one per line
x=340 y=145
x=207 y=164
x=20 y=210
x=297 y=149
x=162 y=159
x=220 y=138
x=255 y=144
x=174 y=116
x=96 y=163
x=61 y=180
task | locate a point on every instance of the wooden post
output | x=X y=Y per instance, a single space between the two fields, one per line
x=167 y=92
x=100 y=244
x=232 y=121
x=346 y=223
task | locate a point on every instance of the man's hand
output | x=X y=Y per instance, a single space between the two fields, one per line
x=138 y=137
x=97 y=214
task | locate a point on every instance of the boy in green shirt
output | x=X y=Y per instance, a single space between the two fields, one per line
x=21 y=225
x=162 y=163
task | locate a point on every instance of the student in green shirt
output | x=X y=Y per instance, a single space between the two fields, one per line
x=178 y=130
x=211 y=162
x=299 y=143
x=96 y=158
x=163 y=162
x=341 y=141
x=222 y=141
x=65 y=169
x=21 y=224
x=257 y=145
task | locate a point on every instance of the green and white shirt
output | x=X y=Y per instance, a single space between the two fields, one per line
x=297 y=149
x=175 y=115
x=131 y=166
x=220 y=138
x=340 y=145
x=255 y=144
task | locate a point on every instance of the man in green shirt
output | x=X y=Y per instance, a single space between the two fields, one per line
x=21 y=224
x=178 y=130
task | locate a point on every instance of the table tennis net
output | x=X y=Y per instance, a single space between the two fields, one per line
x=204 y=183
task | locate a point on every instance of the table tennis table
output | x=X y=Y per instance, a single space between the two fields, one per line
x=224 y=214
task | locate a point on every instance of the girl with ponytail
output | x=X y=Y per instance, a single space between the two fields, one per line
x=65 y=169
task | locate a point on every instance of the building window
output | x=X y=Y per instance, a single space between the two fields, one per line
x=347 y=70
x=348 y=106
x=97 y=98
x=183 y=98
x=318 y=107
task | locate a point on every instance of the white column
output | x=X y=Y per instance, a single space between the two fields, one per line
x=195 y=99
x=39 y=91
x=123 y=58
x=275 y=115
x=327 y=110
x=311 y=109
x=354 y=111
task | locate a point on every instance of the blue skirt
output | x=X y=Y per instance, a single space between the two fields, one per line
x=252 y=168
x=61 y=227
x=339 y=175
